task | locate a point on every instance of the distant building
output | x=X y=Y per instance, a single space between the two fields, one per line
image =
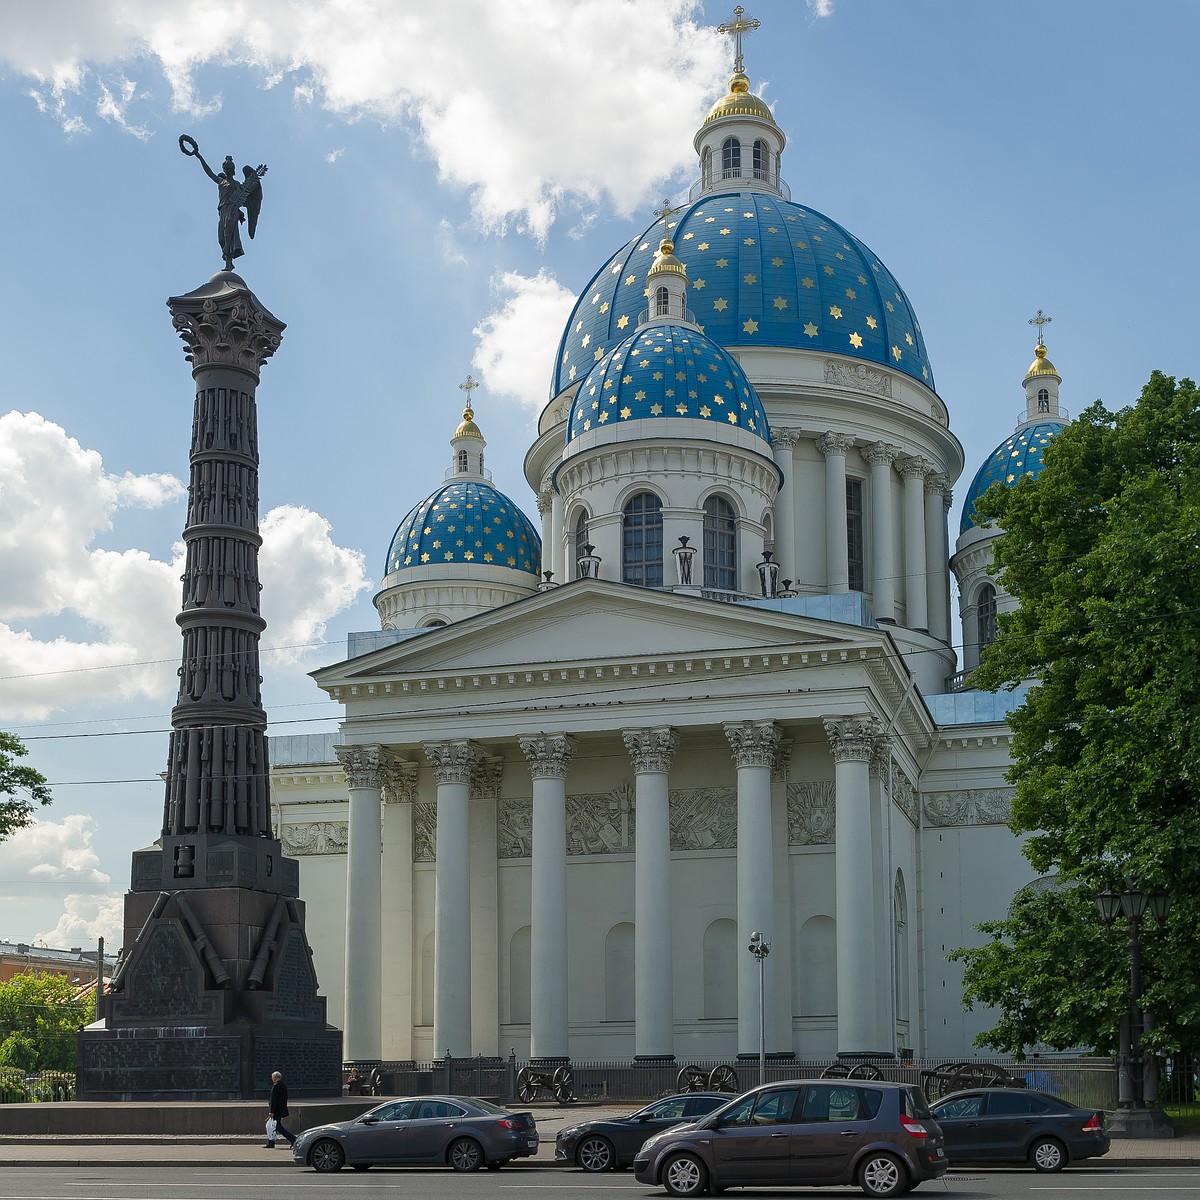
x=77 y=965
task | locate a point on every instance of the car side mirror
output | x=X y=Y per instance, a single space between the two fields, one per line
x=368 y=1120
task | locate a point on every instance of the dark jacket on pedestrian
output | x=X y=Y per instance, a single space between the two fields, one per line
x=277 y=1105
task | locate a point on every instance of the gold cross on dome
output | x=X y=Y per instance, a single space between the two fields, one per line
x=1040 y=320
x=738 y=27
x=469 y=386
x=664 y=212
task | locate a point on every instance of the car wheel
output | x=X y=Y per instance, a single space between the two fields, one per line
x=685 y=1175
x=595 y=1154
x=1048 y=1154
x=882 y=1175
x=327 y=1155
x=465 y=1154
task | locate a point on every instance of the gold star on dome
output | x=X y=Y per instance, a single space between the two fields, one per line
x=692 y=394
x=851 y=294
x=657 y=375
x=705 y=411
x=448 y=556
x=709 y=220
x=810 y=329
x=835 y=312
x=681 y=409
x=872 y=323
x=697 y=284
x=777 y=261
x=725 y=232
x=626 y=413
x=512 y=562
x=897 y=353
x=772 y=229
x=718 y=398
x=701 y=245
x=587 y=425
x=856 y=340
x=425 y=558
x=607 y=384
x=751 y=326
x=680 y=376
x=630 y=280
x=604 y=307
x=687 y=237
x=888 y=305
x=587 y=337
x=908 y=338
x=806 y=282
x=598 y=353
x=639 y=395
x=750 y=279
x=656 y=410
x=839 y=254
x=645 y=362
x=780 y=302
x=626 y=378
x=828 y=270
x=862 y=280
x=602 y=418
x=487 y=556
x=1009 y=478
x=668 y=392
x=732 y=418
x=720 y=304
x=747 y=241
x=622 y=321
x=571 y=373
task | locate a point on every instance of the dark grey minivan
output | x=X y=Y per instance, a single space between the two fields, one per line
x=802 y=1133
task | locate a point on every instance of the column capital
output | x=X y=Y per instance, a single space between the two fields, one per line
x=486 y=775
x=224 y=325
x=913 y=466
x=880 y=454
x=545 y=501
x=548 y=754
x=753 y=742
x=782 y=760
x=451 y=760
x=935 y=482
x=834 y=443
x=881 y=755
x=399 y=782
x=784 y=439
x=651 y=749
x=362 y=765
x=853 y=739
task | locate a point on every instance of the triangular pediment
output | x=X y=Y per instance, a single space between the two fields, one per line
x=591 y=620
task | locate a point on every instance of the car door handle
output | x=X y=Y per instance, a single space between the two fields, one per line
x=779 y=1135
x=849 y=1132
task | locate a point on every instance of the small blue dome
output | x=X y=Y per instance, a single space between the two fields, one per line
x=465 y=523
x=668 y=371
x=762 y=271
x=1021 y=455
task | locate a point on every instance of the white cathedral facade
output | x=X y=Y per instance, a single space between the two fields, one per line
x=715 y=694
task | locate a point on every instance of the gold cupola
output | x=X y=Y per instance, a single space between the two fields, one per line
x=740 y=101
x=467 y=427
x=1041 y=365
x=665 y=261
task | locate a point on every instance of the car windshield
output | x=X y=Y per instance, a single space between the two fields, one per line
x=672 y=1106
x=487 y=1106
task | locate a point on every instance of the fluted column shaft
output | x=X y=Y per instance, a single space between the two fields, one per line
x=564 y=572
x=396 y=908
x=913 y=470
x=452 y=762
x=837 y=553
x=754 y=745
x=363 y=1031
x=783 y=445
x=549 y=757
x=852 y=740
x=654 y=999
x=545 y=505
x=883 y=532
x=937 y=557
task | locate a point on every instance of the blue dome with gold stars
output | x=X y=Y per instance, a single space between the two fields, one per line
x=762 y=271
x=1012 y=460
x=465 y=522
x=665 y=372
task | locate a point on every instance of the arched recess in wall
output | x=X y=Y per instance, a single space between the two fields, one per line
x=720 y=969
x=427 y=980
x=520 y=965
x=618 y=973
x=900 y=919
x=815 y=966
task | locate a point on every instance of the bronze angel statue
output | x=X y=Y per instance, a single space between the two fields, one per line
x=234 y=195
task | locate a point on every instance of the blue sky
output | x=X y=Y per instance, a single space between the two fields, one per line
x=443 y=178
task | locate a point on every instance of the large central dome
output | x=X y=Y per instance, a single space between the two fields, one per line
x=763 y=271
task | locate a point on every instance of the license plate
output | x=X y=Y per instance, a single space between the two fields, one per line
x=941 y=1153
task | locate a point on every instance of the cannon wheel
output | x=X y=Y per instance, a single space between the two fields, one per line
x=723 y=1078
x=526 y=1088
x=691 y=1079
x=862 y=1070
x=561 y=1081
x=968 y=1075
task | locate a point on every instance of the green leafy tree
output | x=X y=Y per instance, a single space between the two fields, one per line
x=39 y=1016
x=21 y=787
x=1102 y=550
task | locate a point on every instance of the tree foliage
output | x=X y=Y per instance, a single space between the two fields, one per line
x=39 y=1016
x=1102 y=551
x=21 y=787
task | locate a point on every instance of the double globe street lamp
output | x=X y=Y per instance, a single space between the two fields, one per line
x=760 y=948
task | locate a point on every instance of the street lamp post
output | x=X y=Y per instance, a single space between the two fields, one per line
x=760 y=948
x=1133 y=904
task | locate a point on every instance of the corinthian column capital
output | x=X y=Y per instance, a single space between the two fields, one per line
x=754 y=743
x=399 y=782
x=651 y=749
x=853 y=739
x=834 y=443
x=784 y=439
x=914 y=466
x=362 y=765
x=548 y=754
x=452 y=760
x=880 y=454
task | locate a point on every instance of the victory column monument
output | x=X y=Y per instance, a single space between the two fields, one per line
x=216 y=987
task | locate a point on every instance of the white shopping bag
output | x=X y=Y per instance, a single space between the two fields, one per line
x=271 y=1129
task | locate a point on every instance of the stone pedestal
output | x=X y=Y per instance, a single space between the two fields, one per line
x=216 y=987
x=1139 y=1123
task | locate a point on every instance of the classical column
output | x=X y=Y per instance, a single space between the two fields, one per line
x=780 y=960
x=937 y=556
x=837 y=553
x=883 y=532
x=852 y=740
x=654 y=1001
x=783 y=445
x=549 y=756
x=452 y=762
x=754 y=745
x=485 y=906
x=564 y=571
x=545 y=507
x=399 y=793
x=363 y=1034
x=913 y=470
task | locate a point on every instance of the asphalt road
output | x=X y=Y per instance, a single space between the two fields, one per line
x=192 y=1182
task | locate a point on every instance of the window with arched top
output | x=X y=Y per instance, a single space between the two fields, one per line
x=815 y=967
x=731 y=157
x=706 y=167
x=720 y=969
x=1043 y=399
x=520 y=960
x=762 y=160
x=481 y=462
x=426 y=992
x=618 y=973
x=662 y=302
x=460 y=460
x=642 y=541
x=720 y=544
x=900 y=932
x=985 y=616
x=581 y=539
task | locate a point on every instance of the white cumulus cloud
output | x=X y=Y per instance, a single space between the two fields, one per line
x=85 y=918
x=517 y=339
x=526 y=107
x=51 y=851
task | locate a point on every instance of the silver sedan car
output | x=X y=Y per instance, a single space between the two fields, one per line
x=463 y=1132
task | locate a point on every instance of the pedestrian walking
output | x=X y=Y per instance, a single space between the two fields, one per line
x=277 y=1109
